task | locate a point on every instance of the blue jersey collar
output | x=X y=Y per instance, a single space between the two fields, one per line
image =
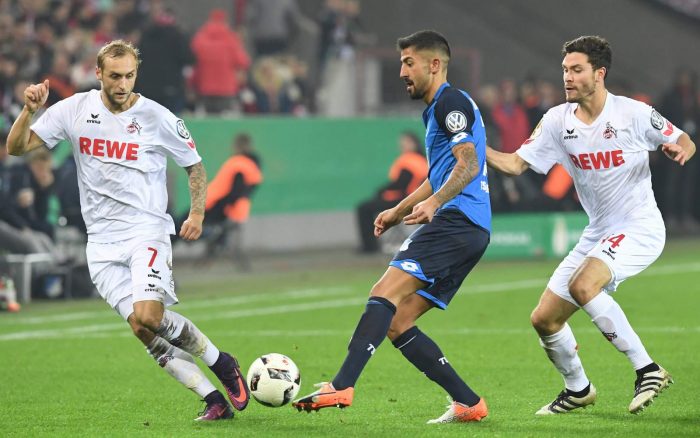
x=435 y=98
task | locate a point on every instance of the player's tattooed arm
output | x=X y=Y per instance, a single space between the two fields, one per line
x=192 y=227
x=198 y=187
x=466 y=169
x=463 y=173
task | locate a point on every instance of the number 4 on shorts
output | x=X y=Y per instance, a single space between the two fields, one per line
x=615 y=240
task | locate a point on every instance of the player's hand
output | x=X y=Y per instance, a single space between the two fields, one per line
x=192 y=228
x=423 y=212
x=35 y=96
x=675 y=152
x=385 y=220
x=25 y=198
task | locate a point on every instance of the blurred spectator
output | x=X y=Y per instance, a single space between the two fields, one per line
x=32 y=183
x=406 y=174
x=129 y=20
x=220 y=61
x=166 y=53
x=15 y=234
x=271 y=25
x=60 y=79
x=513 y=128
x=229 y=199
x=680 y=105
x=275 y=88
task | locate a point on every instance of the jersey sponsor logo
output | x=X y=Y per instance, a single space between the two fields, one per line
x=93 y=119
x=535 y=133
x=456 y=121
x=609 y=132
x=182 y=129
x=133 y=127
x=598 y=160
x=100 y=147
x=570 y=134
x=657 y=121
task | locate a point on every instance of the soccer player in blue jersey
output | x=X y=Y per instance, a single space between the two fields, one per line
x=426 y=272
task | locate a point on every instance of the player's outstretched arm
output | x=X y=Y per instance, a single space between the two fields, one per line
x=21 y=139
x=681 y=151
x=510 y=164
x=192 y=228
x=465 y=170
x=389 y=218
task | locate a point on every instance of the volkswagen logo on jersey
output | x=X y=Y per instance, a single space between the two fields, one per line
x=182 y=129
x=456 y=121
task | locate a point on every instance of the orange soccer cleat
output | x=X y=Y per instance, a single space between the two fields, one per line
x=325 y=397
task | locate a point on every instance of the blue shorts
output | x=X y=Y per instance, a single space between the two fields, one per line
x=441 y=253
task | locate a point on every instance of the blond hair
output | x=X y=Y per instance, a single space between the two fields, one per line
x=117 y=49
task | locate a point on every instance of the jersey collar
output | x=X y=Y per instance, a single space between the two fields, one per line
x=435 y=98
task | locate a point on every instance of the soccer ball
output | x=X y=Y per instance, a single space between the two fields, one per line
x=273 y=379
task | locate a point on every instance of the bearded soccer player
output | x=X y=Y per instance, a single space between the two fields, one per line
x=603 y=141
x=120 y=143
x=453 y=204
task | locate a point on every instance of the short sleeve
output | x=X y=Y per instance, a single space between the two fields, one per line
x=51 y=126
x=177 y=141
x=655 y=128
x=454 y=113
x=541 y=150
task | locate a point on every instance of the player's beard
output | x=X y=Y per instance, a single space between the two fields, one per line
x=583 y=92
x=111 y=97
x=418 y=92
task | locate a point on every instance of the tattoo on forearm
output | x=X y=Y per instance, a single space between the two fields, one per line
x=198 y=187
x=463 y=173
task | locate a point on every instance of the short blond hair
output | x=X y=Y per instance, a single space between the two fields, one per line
x=117 y=49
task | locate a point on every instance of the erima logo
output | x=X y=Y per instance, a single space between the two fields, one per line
x=570 y=134
x=94 y=119
x=610 y=336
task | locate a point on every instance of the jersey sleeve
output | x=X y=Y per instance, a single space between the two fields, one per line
x=541 y=150
x=177 y=141
x=454 y=114
x=51 y=126
x=655 y=128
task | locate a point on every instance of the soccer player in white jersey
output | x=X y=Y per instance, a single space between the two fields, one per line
x=603 y=141
x=120 y=143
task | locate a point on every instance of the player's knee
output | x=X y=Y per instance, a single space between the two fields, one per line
x=143 y=333
x=149 y=321
x=582 y=290
x=542 y=322
x=397 y=328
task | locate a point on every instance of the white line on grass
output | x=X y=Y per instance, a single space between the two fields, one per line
x=302 y=307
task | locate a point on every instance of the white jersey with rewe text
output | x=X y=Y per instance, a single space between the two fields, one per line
x=121 y=162
x=608 y=159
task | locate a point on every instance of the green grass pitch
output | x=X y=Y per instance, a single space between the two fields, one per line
x=73 y=368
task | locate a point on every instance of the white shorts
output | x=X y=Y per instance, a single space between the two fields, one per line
x=626 y=249
x=136 y=269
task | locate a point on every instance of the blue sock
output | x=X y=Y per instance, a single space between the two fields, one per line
x=370 y=332
x=425 y=355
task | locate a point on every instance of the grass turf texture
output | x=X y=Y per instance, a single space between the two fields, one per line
x=74 y=369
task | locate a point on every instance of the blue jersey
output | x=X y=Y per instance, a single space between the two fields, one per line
x=450 y=119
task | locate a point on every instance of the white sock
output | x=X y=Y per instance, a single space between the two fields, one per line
x=182 y=333
x=562 y=350
x=608 y=316
x=181 y=366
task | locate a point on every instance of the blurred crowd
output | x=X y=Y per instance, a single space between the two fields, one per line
x=248 y=63
x=240 y=64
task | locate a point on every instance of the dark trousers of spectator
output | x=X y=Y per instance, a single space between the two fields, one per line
x=366 y=214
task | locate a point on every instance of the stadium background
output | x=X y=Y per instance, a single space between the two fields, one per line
x=326 y=144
